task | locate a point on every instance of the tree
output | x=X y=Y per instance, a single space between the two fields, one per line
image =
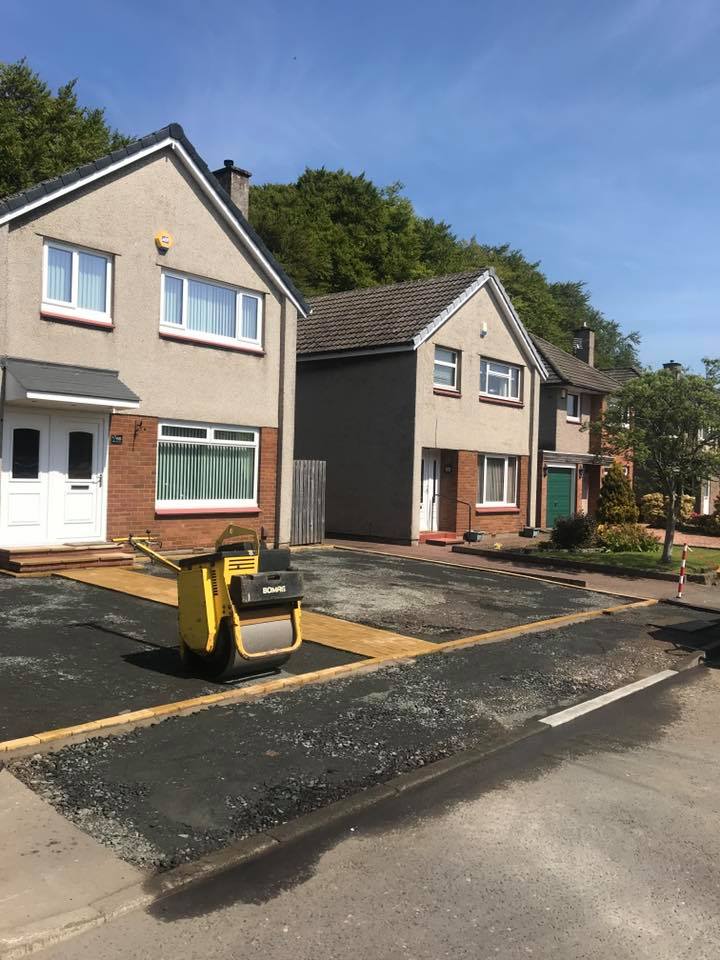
x=616 y=502
x=43 y=135
x=670 y=424
x=334 y=231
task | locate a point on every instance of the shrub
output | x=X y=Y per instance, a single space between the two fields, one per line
x=573 y=533
x=626 y=538
x=616 y=503
x=710 y=524
x=653 y=507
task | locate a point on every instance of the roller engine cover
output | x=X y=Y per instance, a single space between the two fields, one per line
x=266 y=589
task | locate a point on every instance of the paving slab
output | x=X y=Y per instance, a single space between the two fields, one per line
x=192 y=784
x=50 y=868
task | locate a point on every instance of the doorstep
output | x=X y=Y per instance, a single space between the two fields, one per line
x=439 y=538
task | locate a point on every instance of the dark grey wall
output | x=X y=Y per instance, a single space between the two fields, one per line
x=549 y=399
x=358 y=414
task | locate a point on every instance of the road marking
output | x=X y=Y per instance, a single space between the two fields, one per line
x=555 y=719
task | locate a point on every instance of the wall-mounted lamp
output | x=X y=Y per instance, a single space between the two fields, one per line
x=545 y=471
x=563 y=394
x=448 y=468
x=581 y=472
x=483 y=328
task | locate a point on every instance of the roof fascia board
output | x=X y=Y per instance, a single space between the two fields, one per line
x=508 y=309
x=90 y=401
x=78 y=184
x=199 y=177
x=361 y=352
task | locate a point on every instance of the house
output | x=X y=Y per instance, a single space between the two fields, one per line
x=423 y=398
x=147 y=339
x=570 y=466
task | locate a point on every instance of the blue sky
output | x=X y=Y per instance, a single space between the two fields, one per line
x=587 y=134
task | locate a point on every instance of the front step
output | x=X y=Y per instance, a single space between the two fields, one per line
x=58 y=557
x=440 y=538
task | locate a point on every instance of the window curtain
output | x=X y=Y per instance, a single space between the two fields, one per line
x=59 y=274
x=91 y=282
x=211 y=309
x=511 y=492
x=192 y=471
x=173 y=300
x=249 y=318
x=495 y=482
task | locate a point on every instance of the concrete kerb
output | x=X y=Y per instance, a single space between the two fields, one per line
x=50 y=740
x=156 y=888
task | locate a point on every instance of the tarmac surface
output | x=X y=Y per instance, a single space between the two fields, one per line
x=431 y=601
x=70 y=653
x=166 y=794
x=597 y=840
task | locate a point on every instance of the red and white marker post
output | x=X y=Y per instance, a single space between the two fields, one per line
x=683 y=564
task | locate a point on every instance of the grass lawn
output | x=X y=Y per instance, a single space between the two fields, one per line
x=700 y=559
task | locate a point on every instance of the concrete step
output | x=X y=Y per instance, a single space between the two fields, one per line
x=60 y=557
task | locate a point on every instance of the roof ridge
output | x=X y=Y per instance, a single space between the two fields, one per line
x=400 y=283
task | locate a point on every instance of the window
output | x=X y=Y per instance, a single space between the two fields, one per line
x=25 y=454
x=497 y=481
x=445 y=371
x=500 y=380
x=208 y=311
x=76 y=283
x=206 y=466
x=574 y=407
x=80 y=455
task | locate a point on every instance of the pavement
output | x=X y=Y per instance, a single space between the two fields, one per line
x=595 y=840
x=168 y=793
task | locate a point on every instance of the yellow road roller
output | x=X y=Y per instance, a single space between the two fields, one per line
x=238 y=607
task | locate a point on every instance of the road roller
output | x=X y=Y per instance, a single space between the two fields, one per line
x=239 y=607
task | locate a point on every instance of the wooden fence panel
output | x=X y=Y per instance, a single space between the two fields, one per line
x=308 y=508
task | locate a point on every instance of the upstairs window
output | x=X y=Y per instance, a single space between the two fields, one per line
x=445 y=371
x=213 y=312
x=502 y=380
x=497 y=481
x=574 y=407
x=206 y=466
x=77 y=283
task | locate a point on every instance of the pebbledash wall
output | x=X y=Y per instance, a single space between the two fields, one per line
x=132 y=472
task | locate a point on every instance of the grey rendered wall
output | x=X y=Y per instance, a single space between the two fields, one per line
x=548 y=417
x=120 y=215
x=572 y=437
x=358 y=415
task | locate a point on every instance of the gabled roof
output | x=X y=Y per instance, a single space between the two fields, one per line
x=173 y=137
x=568 y=370
x=623 y=374
x=397 y=316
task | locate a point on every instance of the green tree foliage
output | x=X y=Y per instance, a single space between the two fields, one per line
x=671 y=426
x=44 y=134
x=335 y=231
x=616 y=503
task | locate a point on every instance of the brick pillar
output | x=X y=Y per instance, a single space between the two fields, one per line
x=467 y=481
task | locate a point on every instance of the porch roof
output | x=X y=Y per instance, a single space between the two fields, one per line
x=61 y=382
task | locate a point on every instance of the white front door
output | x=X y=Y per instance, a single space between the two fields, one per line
x=24 y=479
x=77 y=453
x=429 y=488
x=51 y=485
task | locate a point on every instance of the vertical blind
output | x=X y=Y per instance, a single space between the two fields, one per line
x=59 y=274
x=211 y=309
x=193 y=471
x=92 y=272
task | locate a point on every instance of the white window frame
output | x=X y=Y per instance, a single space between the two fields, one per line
x=504 y=371
x=181 y=329
x=573 y=418
x=71 y=310
x=209 y=440
x=454 y=366
x=498 y=503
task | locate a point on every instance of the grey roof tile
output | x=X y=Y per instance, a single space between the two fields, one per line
x=389 y=315
x=564 y=368
x=623 y=374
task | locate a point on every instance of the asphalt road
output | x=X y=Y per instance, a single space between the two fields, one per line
x=165 y=794
x=597 y=840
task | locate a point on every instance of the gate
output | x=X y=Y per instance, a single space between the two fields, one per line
x=308 y=506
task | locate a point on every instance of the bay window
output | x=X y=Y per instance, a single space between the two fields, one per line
x=497 y=481
x=200 y=465
x=215 y=312
x=502 y=380
x=76 y=283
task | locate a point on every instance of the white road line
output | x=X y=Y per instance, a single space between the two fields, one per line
x=579 y=709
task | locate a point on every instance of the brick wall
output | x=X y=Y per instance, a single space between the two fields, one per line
x=131 y=489
x=505 y=521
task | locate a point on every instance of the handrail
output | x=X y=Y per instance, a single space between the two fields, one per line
x=441 y=496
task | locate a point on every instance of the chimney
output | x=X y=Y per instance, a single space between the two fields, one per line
x=673 y=367
x=584 y=344
x=235 y=181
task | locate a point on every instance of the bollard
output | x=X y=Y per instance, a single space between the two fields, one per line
x=681 y=580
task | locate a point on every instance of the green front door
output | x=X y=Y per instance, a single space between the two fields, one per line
x=560 y=501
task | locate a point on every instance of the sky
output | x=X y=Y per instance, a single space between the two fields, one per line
x=585 y=133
